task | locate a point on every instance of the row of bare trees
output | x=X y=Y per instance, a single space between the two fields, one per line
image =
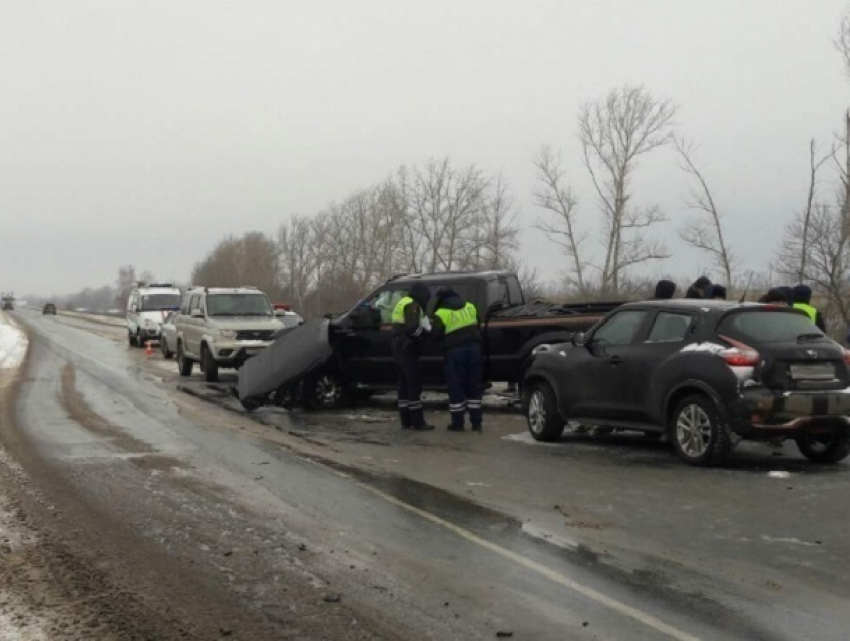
x=436 y=217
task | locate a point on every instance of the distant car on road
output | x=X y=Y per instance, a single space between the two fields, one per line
x=168 y=335
x=707 y=373
x=49 y=308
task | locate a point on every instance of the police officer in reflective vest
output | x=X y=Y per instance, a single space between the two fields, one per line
x=802 y=297
x=410 y=329
x=455 y=323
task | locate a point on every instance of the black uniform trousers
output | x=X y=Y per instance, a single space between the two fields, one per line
x=409 y=370
x=463 y=376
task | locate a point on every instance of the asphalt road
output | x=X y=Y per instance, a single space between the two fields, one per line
x=201 y=522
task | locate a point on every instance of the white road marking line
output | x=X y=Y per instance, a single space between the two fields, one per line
x=643 y=617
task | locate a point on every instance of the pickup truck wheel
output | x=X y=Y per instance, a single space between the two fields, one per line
x=541 y=413
x=131 y=339
x=698 y=434
x=184 y=363
x=824 y=448
x=324 y=391
x=139 y=341
x=209 y=365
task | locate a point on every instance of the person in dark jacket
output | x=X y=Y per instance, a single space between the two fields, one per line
x=718 y=292
x=409 y=331
x=700 y=288
x=664 y=290
x=788 y=293
x=455 y=324
x=801 y=296
x=775 y=296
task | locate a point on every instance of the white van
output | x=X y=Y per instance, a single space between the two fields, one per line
x=147 y=307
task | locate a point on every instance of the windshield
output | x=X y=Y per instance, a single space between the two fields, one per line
x=238 y=305
x=153 y=302
x=764 y=326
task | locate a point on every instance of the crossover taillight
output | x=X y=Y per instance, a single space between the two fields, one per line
x=739 y=354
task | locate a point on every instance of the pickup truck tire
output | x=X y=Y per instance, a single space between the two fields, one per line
x=824 y=448
x=324 y=391
x=131 y=338
x=541 y=412
x=699 y=435
x=209 y=365
x=184 y=363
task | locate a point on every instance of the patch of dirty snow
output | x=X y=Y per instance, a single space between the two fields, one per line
x=13 y=343
x=793 y=541
x=528 y=439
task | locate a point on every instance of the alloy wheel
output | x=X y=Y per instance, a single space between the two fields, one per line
x=328 y=391
x=693 y=430
x=537 y=412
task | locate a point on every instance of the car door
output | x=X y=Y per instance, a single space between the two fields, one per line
x=194 y=326
x=601 y=366
x=667 y=335
x=364 y=339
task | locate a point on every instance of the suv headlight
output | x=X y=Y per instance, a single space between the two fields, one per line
x=227 y=333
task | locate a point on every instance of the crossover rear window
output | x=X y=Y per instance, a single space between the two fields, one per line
x=766 y=326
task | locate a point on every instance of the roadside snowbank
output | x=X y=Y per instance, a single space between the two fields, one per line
x=13 y=343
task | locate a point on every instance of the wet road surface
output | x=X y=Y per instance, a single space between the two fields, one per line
x=204 y=518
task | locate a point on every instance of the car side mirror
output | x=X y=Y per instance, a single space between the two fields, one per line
x=196 y=313
x=578 y=339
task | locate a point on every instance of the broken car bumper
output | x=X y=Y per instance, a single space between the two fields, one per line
x=763 y=413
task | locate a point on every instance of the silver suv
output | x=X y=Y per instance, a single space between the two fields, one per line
x=223 y=327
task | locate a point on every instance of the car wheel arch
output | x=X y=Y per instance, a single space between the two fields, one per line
x=688 y=388
x=543 y=377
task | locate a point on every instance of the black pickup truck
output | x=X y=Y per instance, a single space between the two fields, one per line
x=360 y=340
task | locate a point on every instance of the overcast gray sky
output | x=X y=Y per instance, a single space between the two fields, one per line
x=143 y=132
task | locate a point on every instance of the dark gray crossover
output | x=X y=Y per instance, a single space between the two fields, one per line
x=706 y=373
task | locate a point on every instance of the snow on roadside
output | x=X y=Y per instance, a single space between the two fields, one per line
x=19 y=619
x=13 y=343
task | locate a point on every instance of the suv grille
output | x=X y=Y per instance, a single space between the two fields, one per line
x=255 y=335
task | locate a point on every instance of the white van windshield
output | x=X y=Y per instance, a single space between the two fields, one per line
x=154 y=302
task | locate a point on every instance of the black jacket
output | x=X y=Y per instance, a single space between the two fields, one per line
x=409 y=334
x=471 y=334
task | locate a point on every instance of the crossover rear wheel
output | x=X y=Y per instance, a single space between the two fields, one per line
x=541 y=412
x=698 y=434
x=824 y=448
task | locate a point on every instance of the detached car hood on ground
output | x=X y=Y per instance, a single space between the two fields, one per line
x=295 y=353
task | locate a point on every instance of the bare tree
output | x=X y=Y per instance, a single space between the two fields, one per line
x=557 y=198
x=615 y=132
x=842 y=40
x=814 y=165
x=822 y=231
x=704 y=233
x=497 y=233
x=445 y=209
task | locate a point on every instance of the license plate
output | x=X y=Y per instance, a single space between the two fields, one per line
x=813 y=371
x=253 y=351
